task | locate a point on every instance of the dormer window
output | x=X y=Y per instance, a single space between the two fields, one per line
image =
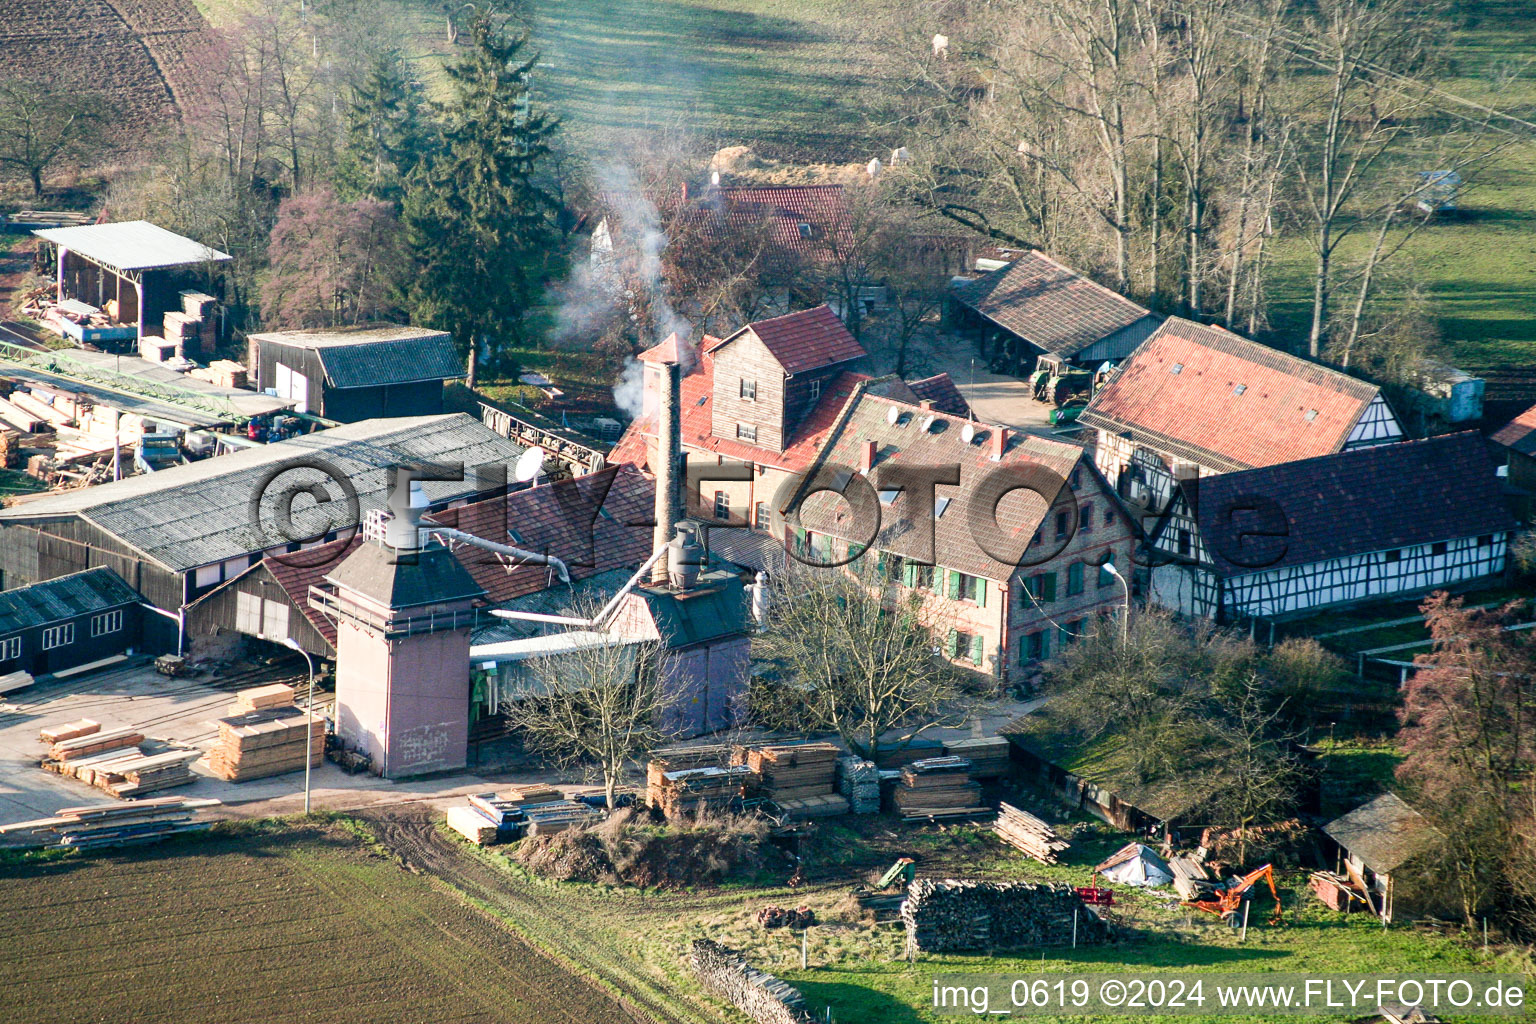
x=748 y=390
x=806 y=230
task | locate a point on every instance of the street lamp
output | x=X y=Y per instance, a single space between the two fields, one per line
x=309 y=716
x=1125 y=620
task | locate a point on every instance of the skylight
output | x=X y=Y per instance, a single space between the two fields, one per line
x=886 y=497
x=939 y=505
x=1240 y=389
x=1311 y=415
x=1176 y=368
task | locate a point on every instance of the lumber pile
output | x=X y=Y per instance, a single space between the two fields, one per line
x=18 y=680
x=699 y=790
x=557 y=816
x=96 y=742
x=673 y=759
x=1028 y=834
x=915 y=750
x=725 y=973
x=938 y=787
x=86 y=828
x=131 y=771
x=472 y=823
x=795 y=771
x=226 y=373
x=858 y=781
x=259 y=744
x=1190 y=878
x=988 y=756
x=958 y=915
x=260 y=698
x=69 y=731
x=826 y=805
x=502 y=817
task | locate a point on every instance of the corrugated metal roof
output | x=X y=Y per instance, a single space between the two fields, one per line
x=368 y=355
x=55 y=600
x=132 y=245
x=197 y=514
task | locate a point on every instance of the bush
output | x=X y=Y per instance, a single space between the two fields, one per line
x=625 y=851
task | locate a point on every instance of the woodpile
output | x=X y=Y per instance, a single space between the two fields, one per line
x=724 y=972
x=263 y=743
x=827 y=805
x=773 y=916
x=96 y=742
x=795 y=771
x=69 y=731
x=86 y=828
x=543 y=819
x=989 y=756
x=938 y=787
x=692 y=791
x=131 y=771
x=915 y=750
x=260 y=698
x=224 y=372
x=950 y=915
x=673 y=759
x=858 y=781
x=1190 y=879
x=1028 y=834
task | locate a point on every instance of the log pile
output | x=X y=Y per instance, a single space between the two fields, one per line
x=86 y=828
x=260 y=698
x=263 y=743
x=959 y=915
x=858 y=781
x=795 y=771
x=692 y=791
x=988 y=756
x=725 y=973
x=938 y=787
x=1028 y=834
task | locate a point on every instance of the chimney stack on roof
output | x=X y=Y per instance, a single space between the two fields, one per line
x=926 y=404
x=685 y=191
x=669 y=444
x=999 y=442
x=867 y=457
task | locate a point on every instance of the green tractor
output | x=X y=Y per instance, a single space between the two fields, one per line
x=1059 y=382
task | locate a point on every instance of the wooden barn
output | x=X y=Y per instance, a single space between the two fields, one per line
x=68 y=622
x=1198 y=401
x=355 y=373
x=1377 y=840
x=1034 y=306
x=1387 y=521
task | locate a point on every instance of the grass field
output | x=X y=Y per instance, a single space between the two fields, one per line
x=265 y=923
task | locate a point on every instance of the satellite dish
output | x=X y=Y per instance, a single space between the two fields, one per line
x=892 y=415
x=928 y=424
x=714 y=177
x=529 y=464
x=968 y=433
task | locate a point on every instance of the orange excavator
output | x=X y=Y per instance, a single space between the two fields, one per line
x=1227 y=903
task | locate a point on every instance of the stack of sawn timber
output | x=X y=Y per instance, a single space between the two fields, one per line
x=1028 y=834
x=113 y=761
x=707 y=789
x=85 y=828
x=938 y=787
x=520 y=811
x=675 y=759
x=261 y=698
x=988 y=756
x=957 y=915
x=858 y=781
x=724 y=972
x=800 y=779
x=259 y=744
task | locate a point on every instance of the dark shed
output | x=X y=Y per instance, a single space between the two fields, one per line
x=67 y=622
x=353 y=373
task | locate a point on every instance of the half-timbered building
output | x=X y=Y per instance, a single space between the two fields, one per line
x=1386 y=521
x=1196 y=400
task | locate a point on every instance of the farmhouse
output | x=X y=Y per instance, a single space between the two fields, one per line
x=67 y=622
x=354 y=373
x=1034 y=306
x=1378 y=839
x=998 y=617
x=1378 y=522
x=134 y=274
x=178 y=533
x=1198 y=401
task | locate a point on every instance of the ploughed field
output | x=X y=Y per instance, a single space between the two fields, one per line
x=139 y=53
x=264 y=925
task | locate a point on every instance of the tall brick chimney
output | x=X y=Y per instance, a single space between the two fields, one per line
x=669 y=445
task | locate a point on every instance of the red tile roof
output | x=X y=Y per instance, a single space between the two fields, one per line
x=297 y=571
x=697 y=394
x=940 y=389
x=1050 y=305
x=1177 y=394
x=665 y=352
x=550 y=520
x=1371 y=499
x=906 y=442
x=786 y=207
x=807 y=340
x=1519 y=433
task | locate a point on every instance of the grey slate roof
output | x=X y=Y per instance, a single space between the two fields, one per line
x=369 y=355
x=133 y=245
x=63 y=598
x=1385 y=833
x=197 y=514
x=716 y=607
x=429 y=576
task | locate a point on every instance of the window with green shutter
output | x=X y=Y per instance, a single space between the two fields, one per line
x=909 y=574
x=1047 y=586
x=1075 y=578
x=981 y=591
x=954 y=583
x=1105 y=576
x=978 y=651
x=952 y=643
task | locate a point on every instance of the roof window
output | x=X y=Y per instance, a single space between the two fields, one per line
x=1311 y=415
x=1176 y=368
x=1240 y=389
x=939 y=505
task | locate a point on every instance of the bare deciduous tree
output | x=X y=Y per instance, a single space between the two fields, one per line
x=42 y=121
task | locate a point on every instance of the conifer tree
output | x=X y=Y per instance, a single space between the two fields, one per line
x=387 y=133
